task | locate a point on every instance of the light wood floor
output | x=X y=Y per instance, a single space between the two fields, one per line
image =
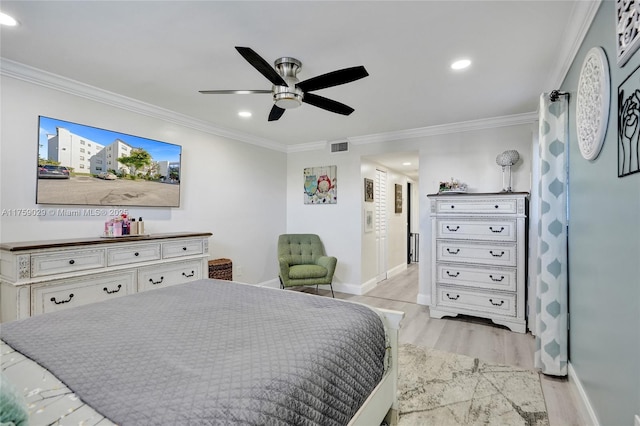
x=473 y=337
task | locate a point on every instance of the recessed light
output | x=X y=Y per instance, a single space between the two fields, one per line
x=244 y=114
x=461 y=64
x=7 y=20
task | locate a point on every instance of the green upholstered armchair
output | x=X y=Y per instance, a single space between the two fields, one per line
x=303 y=261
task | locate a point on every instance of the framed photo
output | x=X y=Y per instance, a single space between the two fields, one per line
x=629 y=125
x=398 y=198
x=627 y=29
x=368 y=221
x=368 y=190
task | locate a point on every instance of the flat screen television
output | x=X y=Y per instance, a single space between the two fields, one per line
x=84 y=165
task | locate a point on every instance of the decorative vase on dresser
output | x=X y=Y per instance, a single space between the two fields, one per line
x=46 y=276
x=479 y=255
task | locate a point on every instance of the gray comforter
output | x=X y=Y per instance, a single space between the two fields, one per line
x=211 y=352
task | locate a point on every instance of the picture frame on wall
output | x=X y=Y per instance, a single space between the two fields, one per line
x=398 y=198
x=627 y=29
x=368 y=221
x=320 y=185
x=629 y=125
x=368 y=190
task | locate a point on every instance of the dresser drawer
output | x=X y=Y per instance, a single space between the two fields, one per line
x=135 y=254
x=489 y=229
x=484 y=253
x=59 y=295
x=182 y=248
x=163 y=275
x=477 y=276
x=66 y=261
x=476 y=206
x=497 y=303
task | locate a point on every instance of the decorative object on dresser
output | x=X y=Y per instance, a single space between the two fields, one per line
x=478 y=256
x=506 y=160
x=453 y=187
x=47 y=276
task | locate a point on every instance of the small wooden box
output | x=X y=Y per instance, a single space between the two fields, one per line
x=221 y=269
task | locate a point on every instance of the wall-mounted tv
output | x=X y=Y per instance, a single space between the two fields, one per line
x=84 y=165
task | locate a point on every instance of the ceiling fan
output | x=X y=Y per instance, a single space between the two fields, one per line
x=288 y=92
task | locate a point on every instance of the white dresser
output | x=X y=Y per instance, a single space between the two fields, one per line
x=47 y=276
x=478 y=256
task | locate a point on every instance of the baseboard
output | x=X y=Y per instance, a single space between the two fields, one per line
x=396 y=270
x=424 y=299
x=573 y=378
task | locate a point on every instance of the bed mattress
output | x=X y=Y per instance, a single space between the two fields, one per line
x=211 y=352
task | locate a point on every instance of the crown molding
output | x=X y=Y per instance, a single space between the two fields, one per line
x=576 y=29
x=49 y=80
x=465 y=126
x=53 y=81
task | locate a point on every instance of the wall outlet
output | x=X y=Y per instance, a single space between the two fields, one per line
x=637 y=420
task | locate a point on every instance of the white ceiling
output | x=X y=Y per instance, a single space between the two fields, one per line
x=162 y=53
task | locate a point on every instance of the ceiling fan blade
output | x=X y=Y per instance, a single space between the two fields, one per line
x=261 y=65
x=276 y=113
x=233 y=92
x=333 y=78
x=326 y=103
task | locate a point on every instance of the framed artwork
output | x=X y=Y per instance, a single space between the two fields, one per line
x=320 y=185
x=627 y=29
x=629 y=125
x=398 y=198
x=368 y=221
x=368 y=190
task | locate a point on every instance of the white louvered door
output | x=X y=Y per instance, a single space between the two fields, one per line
x=380 y=198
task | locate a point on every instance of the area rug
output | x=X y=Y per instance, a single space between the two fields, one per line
x=445 y=389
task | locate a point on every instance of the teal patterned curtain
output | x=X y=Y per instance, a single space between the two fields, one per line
x=551 y=276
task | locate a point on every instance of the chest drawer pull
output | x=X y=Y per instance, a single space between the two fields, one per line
x=112 y=291
x=496 y=230
x=453 y=252
x=71 y=262
x=53 y=299
x=496 y=279
x=496 y=304
x=453 y=298
x=495 y=254
x=453 y=275
x=136 y=254
x=452 y=229
x=156 y=282
x=189 y=276
x=184 y=248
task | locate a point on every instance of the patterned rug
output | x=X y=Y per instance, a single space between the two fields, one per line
x=445 y=389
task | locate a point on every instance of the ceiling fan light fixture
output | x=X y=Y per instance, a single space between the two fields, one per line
x=286 y=98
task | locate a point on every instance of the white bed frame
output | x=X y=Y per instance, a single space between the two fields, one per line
x=382 y=403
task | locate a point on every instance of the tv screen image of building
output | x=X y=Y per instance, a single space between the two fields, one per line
x=84 y=165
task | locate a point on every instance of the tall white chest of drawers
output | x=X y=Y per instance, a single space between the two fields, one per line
x=47 y=276
x=478 y=256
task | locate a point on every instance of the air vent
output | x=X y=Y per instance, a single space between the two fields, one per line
x=340 y=147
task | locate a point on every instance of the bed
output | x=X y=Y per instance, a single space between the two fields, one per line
x=206 y=352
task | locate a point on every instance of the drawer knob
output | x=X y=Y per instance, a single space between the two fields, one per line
x=496 y=279
x=453 y=298
x=496 y=230
x=453 y=207
x=453 y=252
x=53 y=299
x=496 y=254
x=113 y=291
x=71 y=262
x=136 y=254
x=189 y=276
x=184 y=248
x=496 y=206
x=496 y=304
x=452 y=229
x=453 y=275
x=156 y=282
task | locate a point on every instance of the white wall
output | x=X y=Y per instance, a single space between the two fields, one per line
x=230 y=188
